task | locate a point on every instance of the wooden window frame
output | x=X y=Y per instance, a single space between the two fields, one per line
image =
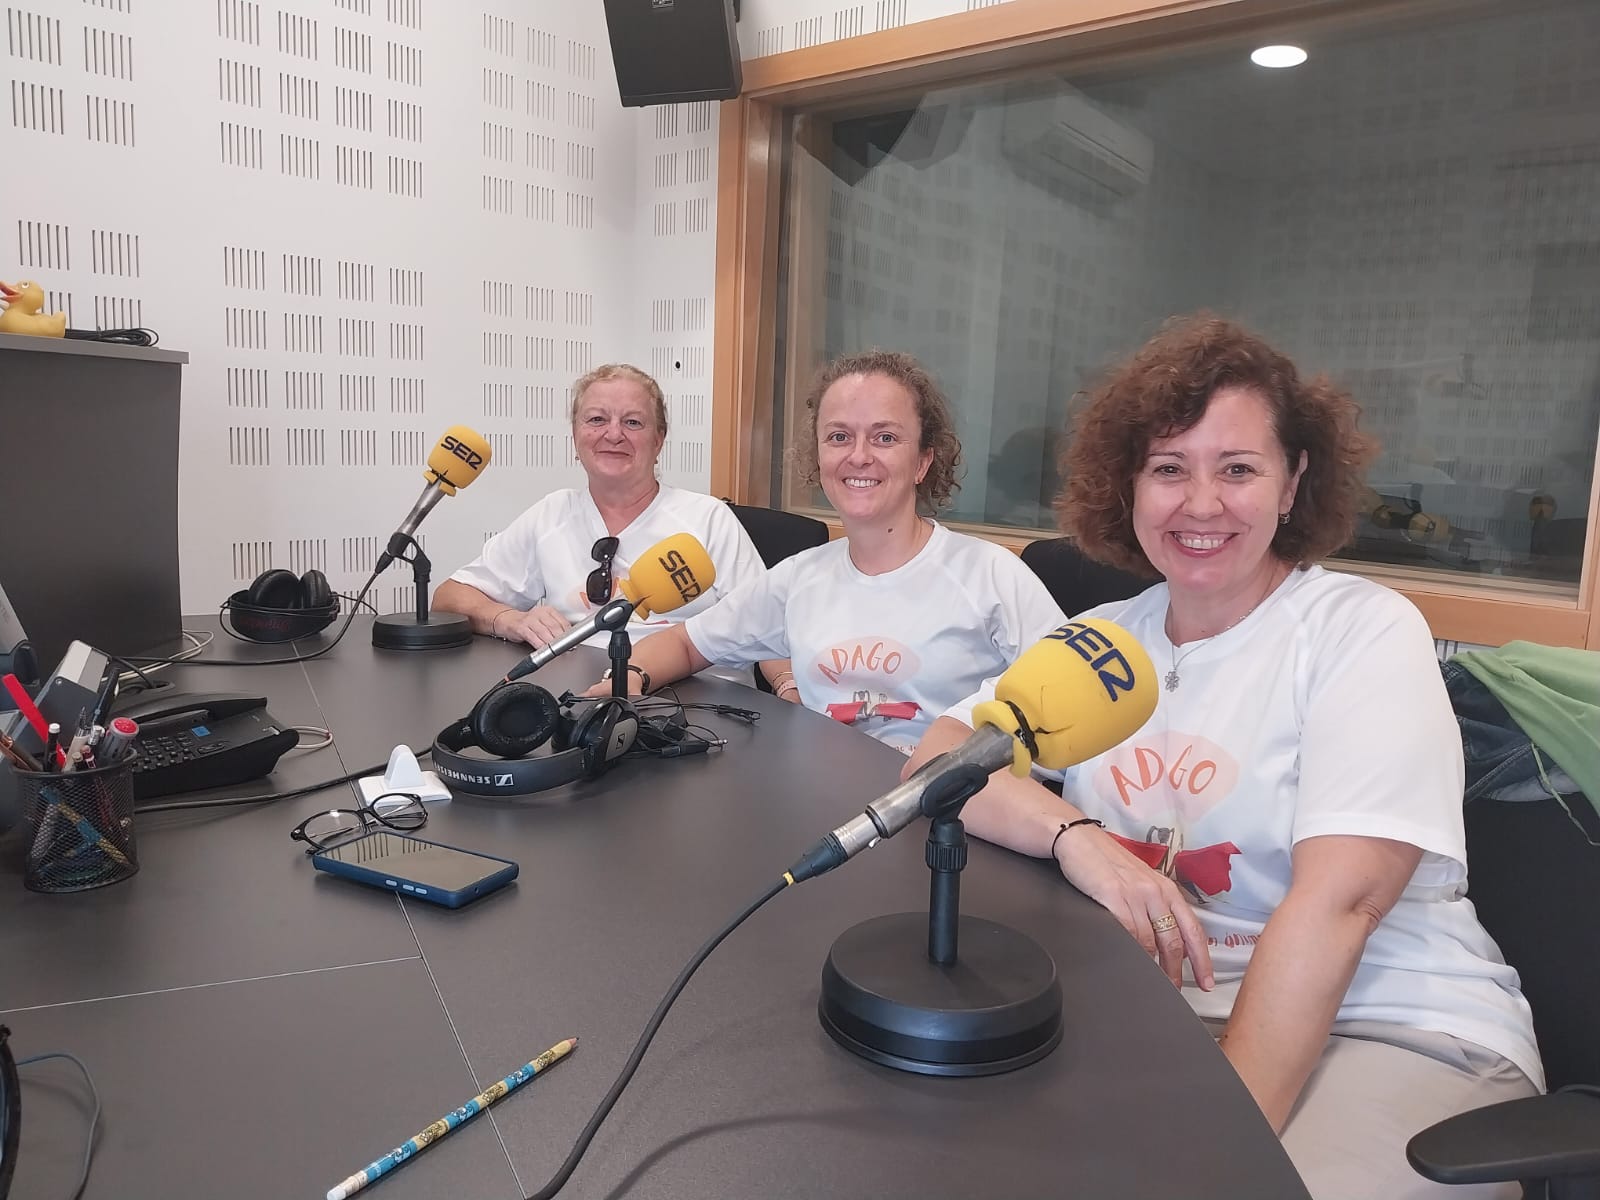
x=973 y=45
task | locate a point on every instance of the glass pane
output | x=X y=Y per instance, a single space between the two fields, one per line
x=1415 y=211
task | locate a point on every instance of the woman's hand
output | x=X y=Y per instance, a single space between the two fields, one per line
x=602 y=688
x=1146 y=903
x=538 y=627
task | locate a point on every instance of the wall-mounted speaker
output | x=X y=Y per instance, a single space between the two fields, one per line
x=671 y=51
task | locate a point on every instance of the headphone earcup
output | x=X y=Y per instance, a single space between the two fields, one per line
x=604 y=734
x=314 y=589
x=514 y=719
x=274 y=589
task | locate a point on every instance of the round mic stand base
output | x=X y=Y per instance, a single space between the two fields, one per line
x=996 y=1009
x=421 y=630
x=895 y=989
x=437 y=631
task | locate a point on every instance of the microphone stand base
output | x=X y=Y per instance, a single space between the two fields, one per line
x=996 y=1009
x=402 y=631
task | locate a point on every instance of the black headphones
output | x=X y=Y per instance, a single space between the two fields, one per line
x=281 y=606
x=513 y=721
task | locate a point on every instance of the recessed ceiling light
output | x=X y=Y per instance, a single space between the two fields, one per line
x=1277 y=56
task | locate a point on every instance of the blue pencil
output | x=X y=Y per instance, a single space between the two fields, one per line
x=449 y=1121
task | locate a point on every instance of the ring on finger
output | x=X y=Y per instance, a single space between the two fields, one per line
x=1164 y=922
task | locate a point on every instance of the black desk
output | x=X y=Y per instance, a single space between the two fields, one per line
x=257 y=1029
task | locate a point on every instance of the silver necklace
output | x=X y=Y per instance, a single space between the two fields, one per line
x=1171 y=681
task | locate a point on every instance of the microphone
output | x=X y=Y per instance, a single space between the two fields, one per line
x=1079 y=691
x=665 y=577
x=457 y=459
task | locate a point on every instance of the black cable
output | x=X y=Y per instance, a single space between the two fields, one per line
x=123 y=337
x=10 y=1113
x=270 y=662
x=149 y=684
x=94 y=1119
x=231 y=801
x=559 y=1179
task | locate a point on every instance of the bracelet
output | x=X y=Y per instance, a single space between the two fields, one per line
x=494 y=622
x=644 y=676
x=788 y=684
x=782 y=675
x=1068 y=825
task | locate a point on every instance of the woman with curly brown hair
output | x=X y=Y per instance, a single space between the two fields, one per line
x=1284 y=836
x=900 y=619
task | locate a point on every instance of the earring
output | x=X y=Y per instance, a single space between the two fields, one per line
x=1283 y=518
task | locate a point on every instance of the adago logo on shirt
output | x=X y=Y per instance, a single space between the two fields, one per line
x=1167 y=782
x=869 y=659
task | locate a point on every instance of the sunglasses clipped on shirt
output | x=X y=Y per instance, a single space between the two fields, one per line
x=598 y=587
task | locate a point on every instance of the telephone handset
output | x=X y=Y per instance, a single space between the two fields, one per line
x=190 y=741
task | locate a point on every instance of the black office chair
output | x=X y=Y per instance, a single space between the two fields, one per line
x=1075 y=581
x=778 y=535
x=1535 y=881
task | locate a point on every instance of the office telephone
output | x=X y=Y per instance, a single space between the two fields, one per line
x=188 y=742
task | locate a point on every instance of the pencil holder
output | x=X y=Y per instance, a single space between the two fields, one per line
x=79 y=827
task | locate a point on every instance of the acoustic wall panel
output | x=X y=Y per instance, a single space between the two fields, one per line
x=365 y=220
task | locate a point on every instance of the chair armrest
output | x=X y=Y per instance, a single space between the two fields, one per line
x=1540 y=1137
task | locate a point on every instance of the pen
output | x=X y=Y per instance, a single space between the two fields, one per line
x=17 y=754
x=27 y=707
x=114 y=743
x=102 y=702
x=450 y=1120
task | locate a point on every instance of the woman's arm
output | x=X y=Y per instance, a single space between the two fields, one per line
x=1301 y=968
x=538 y=627
x=1025 y=816
x=779 y=673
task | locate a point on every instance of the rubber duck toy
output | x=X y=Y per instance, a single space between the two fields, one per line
x=22 y=315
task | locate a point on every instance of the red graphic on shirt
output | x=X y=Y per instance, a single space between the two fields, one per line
x=1202 y=873
x=872 y=668
x=864 y=705
x=1169 y=780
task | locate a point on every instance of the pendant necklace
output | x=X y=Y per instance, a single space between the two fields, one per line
x=1171 y=680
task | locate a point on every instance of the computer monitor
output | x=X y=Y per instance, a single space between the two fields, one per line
x=16 y=651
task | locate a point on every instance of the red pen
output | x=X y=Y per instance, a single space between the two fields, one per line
x=30 y=710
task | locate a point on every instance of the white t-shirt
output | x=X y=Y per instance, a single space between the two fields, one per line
x=1323 y=712
x=543 y=557
x=910 y=642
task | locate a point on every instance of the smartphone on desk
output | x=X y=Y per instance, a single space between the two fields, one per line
x=190 y=741
x=412 y=867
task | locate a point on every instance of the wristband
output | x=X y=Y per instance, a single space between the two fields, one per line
x=1068 y=825
x=644 y=676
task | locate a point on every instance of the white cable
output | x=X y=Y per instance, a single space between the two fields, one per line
x=326 y=734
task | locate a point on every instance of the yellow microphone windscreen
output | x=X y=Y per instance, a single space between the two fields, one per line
x=1082 y=689
x=671 y=573
x=457 y=459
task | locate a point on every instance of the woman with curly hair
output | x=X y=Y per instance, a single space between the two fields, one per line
x=1284 y=836
x=889 y=626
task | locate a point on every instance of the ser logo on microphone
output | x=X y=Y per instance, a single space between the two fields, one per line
x=1113 y=667
x=682 y=575
x=462 y=451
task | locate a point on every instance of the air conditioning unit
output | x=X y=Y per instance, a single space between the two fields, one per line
x=1062 y=134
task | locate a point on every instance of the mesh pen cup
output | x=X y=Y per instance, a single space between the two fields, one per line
x=79 y=827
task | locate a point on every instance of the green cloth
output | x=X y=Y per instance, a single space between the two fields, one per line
x=1554 y=693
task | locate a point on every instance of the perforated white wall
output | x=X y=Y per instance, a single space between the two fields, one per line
x=774 y=26
x=365 y=220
